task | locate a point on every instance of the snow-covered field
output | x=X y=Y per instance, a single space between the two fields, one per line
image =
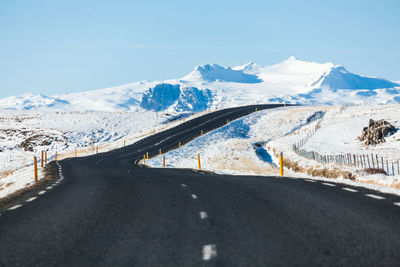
x=108 y=118
x=251 y=145
x=24 y=134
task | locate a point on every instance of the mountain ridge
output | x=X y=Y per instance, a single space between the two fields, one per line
x=291 y=80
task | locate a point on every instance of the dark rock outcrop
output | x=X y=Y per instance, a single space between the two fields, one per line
x=376 y=132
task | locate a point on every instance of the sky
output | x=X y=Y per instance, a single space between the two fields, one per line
x=56 y=47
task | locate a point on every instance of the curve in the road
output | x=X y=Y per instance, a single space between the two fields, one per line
x=105 y=210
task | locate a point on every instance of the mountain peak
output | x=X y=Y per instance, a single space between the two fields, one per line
x=217 y=73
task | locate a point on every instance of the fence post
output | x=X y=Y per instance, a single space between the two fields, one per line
x=198 y=161
x=281 y=164
x=383 y=166
x=392 y=169
x=45 y=157
x=35 y=168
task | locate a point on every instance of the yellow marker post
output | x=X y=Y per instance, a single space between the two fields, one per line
x=35 y=168
x=198 y=161
x=281 y=164
x=41 y=161
x=160 y=151
x=144 y=159
x=45 y=157
x=227 y=121
x=76 y=153
x=163 y=162
x=147 y=155
x=179 y=145
x=56 y=155
x=256 y=109
x=201 y=133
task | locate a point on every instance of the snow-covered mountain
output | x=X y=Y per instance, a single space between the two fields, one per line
x=211 y=85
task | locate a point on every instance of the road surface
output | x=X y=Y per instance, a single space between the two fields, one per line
x=105 y=210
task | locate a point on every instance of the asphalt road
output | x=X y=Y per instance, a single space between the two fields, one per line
x=104 y=210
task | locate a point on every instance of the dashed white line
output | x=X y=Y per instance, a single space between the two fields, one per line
x=397 y=203
x=194 y=196
x=329 y=184
x=31 y=199
x=183 y=185
x=209 y=252
x=311 y=181
x=350 y=189
x=42 y=192
x=15 y=207
x=49 y=187
x=203 y=215
x=375 y=196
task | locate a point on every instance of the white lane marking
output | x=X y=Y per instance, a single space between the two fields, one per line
x=209 y=252
x=350 y=189
x=15 y=207
x=183 y=185
x=194 y=196
x=397 y=203
x=312 y=181
x=203 y=215
x=49 y=187
x=329 y=184
x=374 y=196
x=42 y=192
x=31 y=199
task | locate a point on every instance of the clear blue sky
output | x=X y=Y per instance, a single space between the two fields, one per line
x=53 y=47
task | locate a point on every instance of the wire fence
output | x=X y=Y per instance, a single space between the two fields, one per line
x=373 y=162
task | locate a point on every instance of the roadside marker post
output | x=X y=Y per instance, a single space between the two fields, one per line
x=179 y=145
x=144 y=159
x=201 y=132
x=281 y=164
x=97 y=150
x=41 y=161
x=56 y=155
x=35 y=168
x=160 y=151
x=198 y=161
x=256 y=109
x=76 y=153
x=163 y=162
x=147 y=155
x=45 y=157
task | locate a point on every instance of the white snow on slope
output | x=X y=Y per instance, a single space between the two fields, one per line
x=233 y=150
x=292 y=80
x=24 y=134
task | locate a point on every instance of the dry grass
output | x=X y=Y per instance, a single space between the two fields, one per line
x=7 y=173
x=374 y=171
x=322 y=172
x=50 y=172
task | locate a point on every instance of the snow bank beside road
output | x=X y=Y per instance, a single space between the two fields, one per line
x=250 y=145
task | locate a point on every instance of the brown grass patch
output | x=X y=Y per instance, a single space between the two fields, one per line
x=324 y=172
x=374 y=171
x=9 y=184
x=7 y=173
